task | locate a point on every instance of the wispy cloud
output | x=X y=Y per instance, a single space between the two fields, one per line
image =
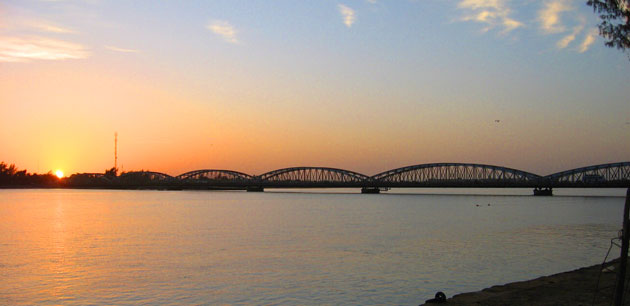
x=480 y=4
x=117 y=49
x=24 y=22
x=549 y=15
x=223 y=29
x=492 y=13
x=590 y=38
x=348 y=15
x=550 y=19
x=46 y=26
x=15 y=49
x=565 y=41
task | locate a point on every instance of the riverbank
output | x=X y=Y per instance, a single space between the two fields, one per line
x=578 y=287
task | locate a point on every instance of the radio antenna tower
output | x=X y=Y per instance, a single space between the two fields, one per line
x=116 y=151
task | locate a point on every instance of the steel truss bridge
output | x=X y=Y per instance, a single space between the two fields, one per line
x=423 y=175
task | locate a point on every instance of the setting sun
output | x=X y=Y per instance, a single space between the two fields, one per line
x=59 y=173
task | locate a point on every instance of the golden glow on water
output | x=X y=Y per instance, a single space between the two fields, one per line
x=77 y=247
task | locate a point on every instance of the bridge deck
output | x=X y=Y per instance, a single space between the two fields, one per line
x=440 y=175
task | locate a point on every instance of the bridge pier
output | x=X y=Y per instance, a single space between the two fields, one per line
x=540 y=191
x=372 y=190
x=255 y=189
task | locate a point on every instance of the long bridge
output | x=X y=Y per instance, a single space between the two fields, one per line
x=440 y=175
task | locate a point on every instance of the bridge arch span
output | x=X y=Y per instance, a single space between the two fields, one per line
x=313 y=177
x=455 y=175
x=90 y=179
x=150 y=175
x=603 y=175
x=215 y=175
x=144 y=178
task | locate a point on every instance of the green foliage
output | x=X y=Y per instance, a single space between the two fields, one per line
x=615 y=22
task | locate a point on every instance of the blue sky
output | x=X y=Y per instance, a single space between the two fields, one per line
x=362 y=85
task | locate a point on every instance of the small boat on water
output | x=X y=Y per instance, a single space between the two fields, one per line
x=373 y=190
x=539 y=191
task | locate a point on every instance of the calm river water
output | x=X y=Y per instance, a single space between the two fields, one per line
x=78 y=247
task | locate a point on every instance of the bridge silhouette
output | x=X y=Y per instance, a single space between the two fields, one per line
x=441 y=175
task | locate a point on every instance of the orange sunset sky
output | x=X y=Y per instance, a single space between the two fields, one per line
x=253 y=86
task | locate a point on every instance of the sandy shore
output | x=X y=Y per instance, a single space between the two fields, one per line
x=575 y=288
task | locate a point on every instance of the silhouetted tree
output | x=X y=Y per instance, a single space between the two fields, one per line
x=7 y=170
x=111 y=172
x=615 y=25
x=10 y=176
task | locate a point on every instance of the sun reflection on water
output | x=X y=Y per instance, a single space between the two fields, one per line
x=128 y=247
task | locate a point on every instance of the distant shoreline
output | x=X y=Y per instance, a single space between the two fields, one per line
x=172 y=188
